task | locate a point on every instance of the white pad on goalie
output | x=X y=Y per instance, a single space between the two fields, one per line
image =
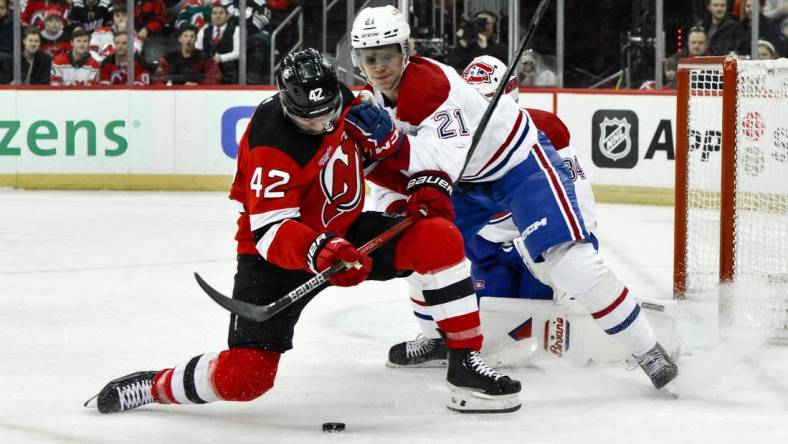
x=519 y=331
x=468 y=401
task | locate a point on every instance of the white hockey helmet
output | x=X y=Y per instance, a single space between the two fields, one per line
x=485 y=72
x=380 y=26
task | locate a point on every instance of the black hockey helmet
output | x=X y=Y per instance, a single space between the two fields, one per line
x=308 y=85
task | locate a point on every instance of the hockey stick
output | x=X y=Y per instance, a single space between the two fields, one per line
x=537 y=17
x=260 y=313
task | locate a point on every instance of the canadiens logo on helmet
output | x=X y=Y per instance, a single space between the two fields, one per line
x=478 y=72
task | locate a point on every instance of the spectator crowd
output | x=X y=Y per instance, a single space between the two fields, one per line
x=176 y=42
x=198 y=42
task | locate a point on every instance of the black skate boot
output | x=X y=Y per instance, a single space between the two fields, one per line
x=476 y=388
x=422 y=352
x=658 y=366
x=125 y=393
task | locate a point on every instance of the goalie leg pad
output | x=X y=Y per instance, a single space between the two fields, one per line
x=464 y=400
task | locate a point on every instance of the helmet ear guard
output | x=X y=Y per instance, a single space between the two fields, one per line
x=308 y=85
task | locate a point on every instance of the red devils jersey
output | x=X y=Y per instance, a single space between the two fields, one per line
x=294 y=186
x=112 y=73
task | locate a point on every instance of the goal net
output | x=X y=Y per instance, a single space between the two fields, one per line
x=731 y=220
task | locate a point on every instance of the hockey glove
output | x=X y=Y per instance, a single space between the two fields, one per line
x=328 y=249
x=372 y=128
x=429 y=195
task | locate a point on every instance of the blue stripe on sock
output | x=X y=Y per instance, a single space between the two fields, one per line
x=423 y=316
x=626 y=323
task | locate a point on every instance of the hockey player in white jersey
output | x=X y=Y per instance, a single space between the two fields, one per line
x=509 y=171
x=514 y=305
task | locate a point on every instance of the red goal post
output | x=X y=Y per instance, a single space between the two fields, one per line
x=709 y=66
x=731 y=184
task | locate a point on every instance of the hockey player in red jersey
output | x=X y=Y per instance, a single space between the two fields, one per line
x=508 y=171
x=300 y=184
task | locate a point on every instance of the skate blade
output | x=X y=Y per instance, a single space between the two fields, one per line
x=670 y=390
x=468 y=401
x=435 y=363
x=92 y=403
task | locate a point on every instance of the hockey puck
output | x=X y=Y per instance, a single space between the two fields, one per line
x=333 y=427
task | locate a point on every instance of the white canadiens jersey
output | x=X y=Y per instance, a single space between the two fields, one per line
x=440 y=112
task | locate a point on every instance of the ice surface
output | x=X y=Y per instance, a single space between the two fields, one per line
x=95 y=285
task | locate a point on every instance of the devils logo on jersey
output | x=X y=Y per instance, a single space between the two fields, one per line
x=341 y=182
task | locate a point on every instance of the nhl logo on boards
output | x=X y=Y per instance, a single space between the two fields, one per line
x=556 y=335
x=614 y=139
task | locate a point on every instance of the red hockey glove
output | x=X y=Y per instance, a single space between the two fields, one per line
x=399 y=206
x=328 y=249
x=372 y=128
x=429 y=195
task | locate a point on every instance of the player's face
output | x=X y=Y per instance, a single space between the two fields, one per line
x=3 y=8
x=748 y=9
x=32 y=42
x=717 y=8
x=697 y=44
x=80 y=44
x=382 y=66
x=317 y=125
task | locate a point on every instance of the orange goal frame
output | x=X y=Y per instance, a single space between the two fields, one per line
x=728 y=65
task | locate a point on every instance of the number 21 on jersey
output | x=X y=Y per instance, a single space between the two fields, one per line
x=451 y=123
x=280 y=179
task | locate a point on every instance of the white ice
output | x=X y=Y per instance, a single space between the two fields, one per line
x=95 y=285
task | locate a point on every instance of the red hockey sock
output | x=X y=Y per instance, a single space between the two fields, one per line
x=243 y=374
x=237 y=374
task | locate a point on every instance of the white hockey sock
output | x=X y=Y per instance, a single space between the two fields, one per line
x=421 y=310
x=453 y=305
x=188 y=382
x=618 y=313
x=579 y=270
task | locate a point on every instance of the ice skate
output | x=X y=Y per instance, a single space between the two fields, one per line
x=125 y=393
x=658 y=366
x=422 y=352
x=476 y=388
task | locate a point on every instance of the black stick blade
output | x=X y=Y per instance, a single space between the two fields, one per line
x=243 y=309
